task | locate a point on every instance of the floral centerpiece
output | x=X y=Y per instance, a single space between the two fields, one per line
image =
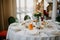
x=38 y=19
x=37 y=15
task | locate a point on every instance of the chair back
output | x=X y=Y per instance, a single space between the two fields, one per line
x=58 y=18
x=27 y=17
x=11 y=20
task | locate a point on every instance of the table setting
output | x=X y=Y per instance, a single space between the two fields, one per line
x=28 y=30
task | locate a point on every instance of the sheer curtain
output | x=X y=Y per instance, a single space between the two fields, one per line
x=24 y=7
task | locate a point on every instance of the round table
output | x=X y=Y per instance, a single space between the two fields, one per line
x=23 y=33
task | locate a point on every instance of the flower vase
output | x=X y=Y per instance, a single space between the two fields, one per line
x=38 y=23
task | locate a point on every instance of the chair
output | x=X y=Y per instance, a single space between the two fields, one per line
x=27 y=17
x=3 y=34
x=11 y=20
x=58 y=18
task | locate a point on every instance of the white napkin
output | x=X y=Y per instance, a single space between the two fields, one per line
x=56 y=32
x=57 y=22
x=32 y=32
x=43 y=35
x=13 y=24
x=16 y=29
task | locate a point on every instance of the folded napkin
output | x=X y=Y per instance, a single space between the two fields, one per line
x=13 y=24
x=15 y=29
x=56 y=33
x=43 y=35
x=52 y=33
x=32 y=32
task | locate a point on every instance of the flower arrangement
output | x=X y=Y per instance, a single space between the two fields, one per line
x=37 y=15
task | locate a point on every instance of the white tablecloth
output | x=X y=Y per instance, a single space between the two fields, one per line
x=45 y=34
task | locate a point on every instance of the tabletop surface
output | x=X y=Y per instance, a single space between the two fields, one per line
x=18 y=30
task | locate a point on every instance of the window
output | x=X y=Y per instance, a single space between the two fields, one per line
x=24 y=7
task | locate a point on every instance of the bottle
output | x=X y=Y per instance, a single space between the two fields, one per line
x=40 y=20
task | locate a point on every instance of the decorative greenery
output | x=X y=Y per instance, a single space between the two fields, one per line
x=37 y=15
x=58 y=18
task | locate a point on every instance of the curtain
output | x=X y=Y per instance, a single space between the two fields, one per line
x=7 y=9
